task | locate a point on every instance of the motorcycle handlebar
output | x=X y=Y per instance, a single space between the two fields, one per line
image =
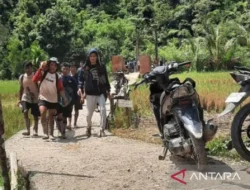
x=174 y=65
x=184 y=63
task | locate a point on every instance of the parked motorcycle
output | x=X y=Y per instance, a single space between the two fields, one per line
x=181 y=125
x=240 y=129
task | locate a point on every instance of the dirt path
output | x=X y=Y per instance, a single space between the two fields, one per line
x=111 y=163
x=132 y=77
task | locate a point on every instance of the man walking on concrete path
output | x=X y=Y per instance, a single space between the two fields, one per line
x=49 y=87
x=79 y=99
x=96 y=89
x=70 y=89
x=28 y=98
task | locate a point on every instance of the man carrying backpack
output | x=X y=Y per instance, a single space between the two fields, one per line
x=28 y=98
x=49 y=87
x=70 y=89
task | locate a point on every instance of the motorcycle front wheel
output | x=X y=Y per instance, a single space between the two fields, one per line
x=240 y=132
x=199 y=152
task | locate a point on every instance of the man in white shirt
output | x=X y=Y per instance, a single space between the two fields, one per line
x=50 y=87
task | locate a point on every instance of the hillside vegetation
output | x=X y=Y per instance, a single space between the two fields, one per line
x=213 y=34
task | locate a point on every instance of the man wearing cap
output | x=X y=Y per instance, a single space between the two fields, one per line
x=50 y=87
x=28 y=98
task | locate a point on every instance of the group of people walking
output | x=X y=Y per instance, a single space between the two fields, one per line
x=52 y=96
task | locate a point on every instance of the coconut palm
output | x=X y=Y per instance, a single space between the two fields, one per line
x=220 y=48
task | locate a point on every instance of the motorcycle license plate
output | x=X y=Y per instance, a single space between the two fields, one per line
x=235 y=97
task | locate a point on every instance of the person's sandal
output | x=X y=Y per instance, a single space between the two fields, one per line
x=102 y=133
x=52 y=138
x=26 y=133
x=63 y=136
x=88 y=132
x=35 y=134
x=69 y=127
x=248 y=170
x=45 y=137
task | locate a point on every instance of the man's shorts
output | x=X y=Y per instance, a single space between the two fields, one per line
x=34 y=108
x=48 y=105
x=66 y=111
x=77 y=104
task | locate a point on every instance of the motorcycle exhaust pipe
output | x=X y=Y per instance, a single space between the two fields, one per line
x=209 y=131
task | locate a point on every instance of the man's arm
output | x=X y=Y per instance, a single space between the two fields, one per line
x=80 y=78
x=20 y=89
x=38 y=75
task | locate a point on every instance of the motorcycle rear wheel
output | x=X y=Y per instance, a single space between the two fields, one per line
x=236 y=132
x=199 y=152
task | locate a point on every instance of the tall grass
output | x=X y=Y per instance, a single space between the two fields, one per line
x=12 y=115
x=141 y=101
x=213 y=88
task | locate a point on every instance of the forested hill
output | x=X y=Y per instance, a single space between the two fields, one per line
x=214 y=34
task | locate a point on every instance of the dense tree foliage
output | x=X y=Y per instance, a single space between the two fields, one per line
x=214 y=34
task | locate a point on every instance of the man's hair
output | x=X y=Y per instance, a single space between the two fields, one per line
x=73 y=64
x=65 y=64
x=27 y=64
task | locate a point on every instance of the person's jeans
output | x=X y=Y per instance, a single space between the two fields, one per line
x=91 y=105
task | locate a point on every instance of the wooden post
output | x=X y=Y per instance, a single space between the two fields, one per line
x=118 y=63
x=3 y=158
x=13 y=170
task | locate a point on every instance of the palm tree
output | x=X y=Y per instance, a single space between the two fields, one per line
x=221 y=49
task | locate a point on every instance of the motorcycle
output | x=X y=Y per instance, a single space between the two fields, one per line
x=240 y=142
x=181 y=125
x=121 y=86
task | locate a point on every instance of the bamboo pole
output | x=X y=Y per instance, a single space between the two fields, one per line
x=3 y=158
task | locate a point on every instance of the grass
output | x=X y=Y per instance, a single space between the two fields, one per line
x=12 y=115
x=13 y=118
x=9 y=87
x=218 y=147
x=213 y=88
